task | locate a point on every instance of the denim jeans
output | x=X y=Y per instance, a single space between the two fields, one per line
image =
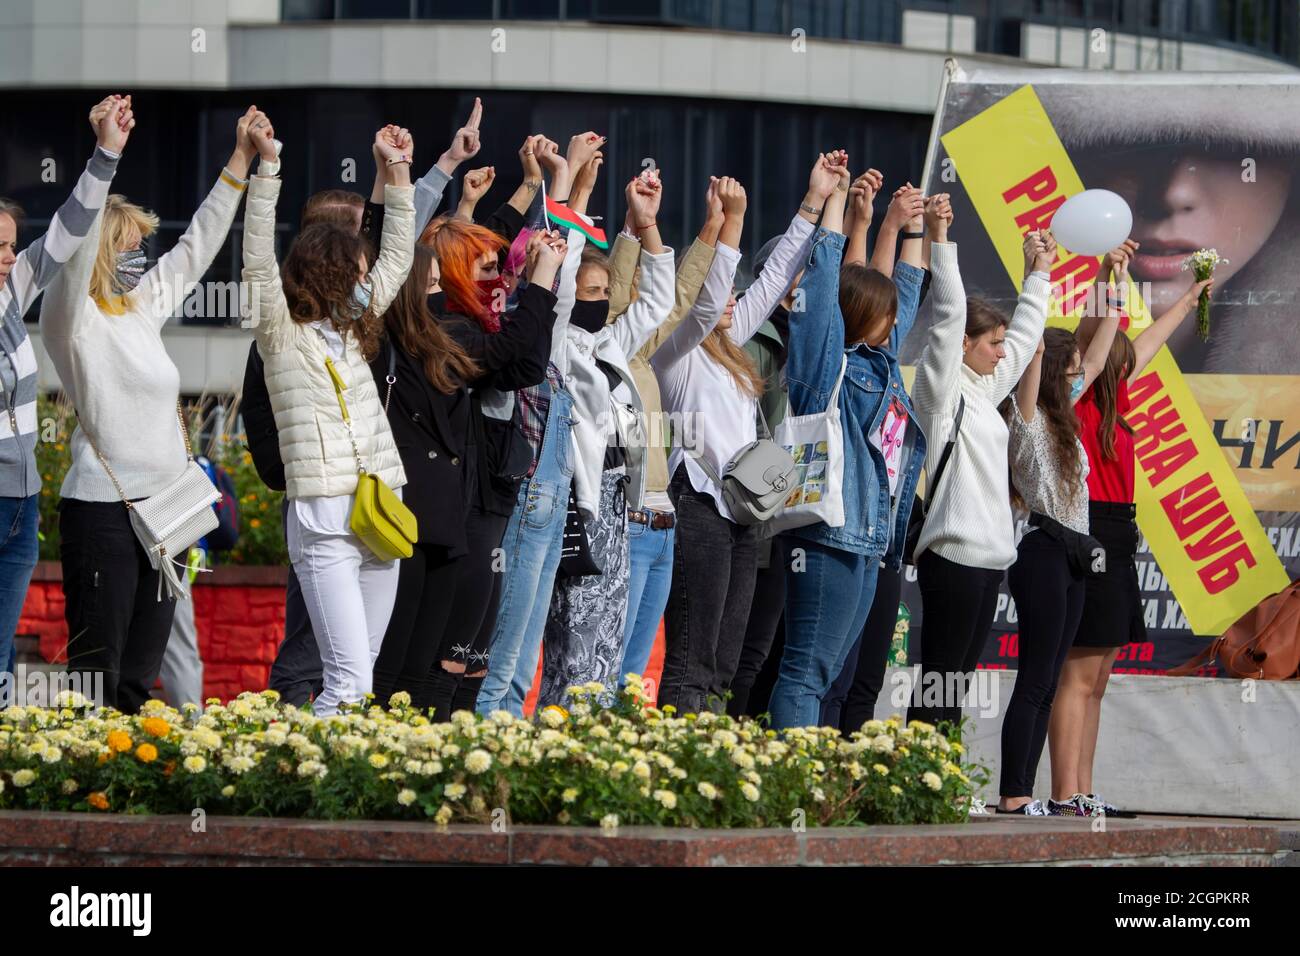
x=18 y=551
x=651 y=554
x=828 y=596
x=531 y=549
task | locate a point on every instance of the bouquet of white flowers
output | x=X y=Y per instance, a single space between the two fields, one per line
x=1202 y=263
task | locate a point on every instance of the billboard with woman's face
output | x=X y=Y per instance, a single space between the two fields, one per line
x=1204 y=161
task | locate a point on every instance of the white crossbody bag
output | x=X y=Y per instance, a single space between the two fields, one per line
x=816 y=442
x=170 y=522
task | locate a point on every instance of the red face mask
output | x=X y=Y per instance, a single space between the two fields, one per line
x=495 y=293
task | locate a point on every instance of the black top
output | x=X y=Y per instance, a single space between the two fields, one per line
x=432 y=433
x=260 y=431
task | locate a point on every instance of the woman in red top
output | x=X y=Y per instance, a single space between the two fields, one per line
x=1112 y=609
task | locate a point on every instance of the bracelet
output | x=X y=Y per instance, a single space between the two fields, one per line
x=809 y=209
x=560 y=201
x=400 y=159
x=919 y=234
x=647 y=226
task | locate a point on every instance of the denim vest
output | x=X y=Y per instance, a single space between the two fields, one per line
x=873 y=524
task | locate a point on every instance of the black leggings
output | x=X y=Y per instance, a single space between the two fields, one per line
x=957 y=608
x=117 y=627
x=1049 y=602
x=851 y=701
x=471 y=620
x=426 y=580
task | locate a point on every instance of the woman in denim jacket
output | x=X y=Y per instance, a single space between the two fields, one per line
x=857 y=319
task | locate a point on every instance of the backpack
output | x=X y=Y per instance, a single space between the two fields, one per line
x=1263 y=644
x=226 y=534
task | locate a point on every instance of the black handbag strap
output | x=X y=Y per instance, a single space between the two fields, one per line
x=932 y=491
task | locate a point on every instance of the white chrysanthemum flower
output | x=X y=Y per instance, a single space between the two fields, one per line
x=378 y=761
x=881 y=769
x=312 y=768
x=477 y=761
x=569 y=795
x=399 y=700
x=552 y=716
x=641 y=770
x=667 y=798
x=707 y=790
x=52 y=755
x=69 y=787
x=609 y=821
x=749 y=792
x=228 y=790
x=455 y=791
x=24 y=778
x=406 y=796
x=195 y=764
x=931 y=780
x=443 y=816
x=882 y=744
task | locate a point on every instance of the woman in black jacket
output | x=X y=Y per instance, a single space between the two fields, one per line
x=437 y=369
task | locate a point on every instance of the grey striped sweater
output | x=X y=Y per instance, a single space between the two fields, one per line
x=35 y=268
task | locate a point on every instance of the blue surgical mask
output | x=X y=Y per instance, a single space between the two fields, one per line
x=1076 y=387
x=361 y=295
x=130 y=269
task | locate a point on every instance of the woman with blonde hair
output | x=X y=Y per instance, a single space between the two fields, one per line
x=101 y=322
x=710 y=383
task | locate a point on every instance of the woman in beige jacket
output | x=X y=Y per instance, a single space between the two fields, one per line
x=328 y=303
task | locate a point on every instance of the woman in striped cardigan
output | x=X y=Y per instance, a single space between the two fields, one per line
x=23 y=275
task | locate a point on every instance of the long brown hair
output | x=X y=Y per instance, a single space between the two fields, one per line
x=720 y=347
x=320 y=274
x=1059 y=350
x=1105 y=392
x=869 y=303
x=410 y=323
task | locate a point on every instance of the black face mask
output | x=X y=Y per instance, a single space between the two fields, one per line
x=438 y=303
x=590 y=316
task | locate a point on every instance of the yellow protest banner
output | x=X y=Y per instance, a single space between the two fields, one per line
x=1191 y=507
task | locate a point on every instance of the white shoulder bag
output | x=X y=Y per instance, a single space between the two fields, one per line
x=169 y=523
x=816 y=442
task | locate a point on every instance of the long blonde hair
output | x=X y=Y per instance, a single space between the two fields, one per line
x=720 y=347
x=120 y=219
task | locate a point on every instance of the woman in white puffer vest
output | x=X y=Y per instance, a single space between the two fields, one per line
x=330 y=307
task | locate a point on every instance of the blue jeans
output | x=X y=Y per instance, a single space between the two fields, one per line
x=651 y=554
x=828 y=597
x=18 y=551
x=532 y=553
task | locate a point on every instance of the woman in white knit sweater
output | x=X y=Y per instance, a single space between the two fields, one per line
x=101 y=322
x=971 y=362
x=330 y=307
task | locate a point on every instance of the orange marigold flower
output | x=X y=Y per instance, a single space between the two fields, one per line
x=156 y=727
x=119 y=741
x=98 y=800
x=146 y=753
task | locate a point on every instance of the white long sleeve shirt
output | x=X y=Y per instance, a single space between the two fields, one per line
x=969 y=519
x=710 y=414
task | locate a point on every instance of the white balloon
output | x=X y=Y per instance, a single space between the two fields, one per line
x=1093 y=222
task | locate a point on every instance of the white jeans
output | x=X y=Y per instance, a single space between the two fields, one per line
x=349 y=594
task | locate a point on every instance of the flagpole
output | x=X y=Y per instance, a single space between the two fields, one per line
x=546 y=214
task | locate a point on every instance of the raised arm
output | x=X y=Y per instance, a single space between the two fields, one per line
x=934 y=391
x=816 y=351
x=1030 y=317
x=465 y=144
x=623 y=259
x=704 y=315
x=267 y=312
x=1092 y=317
x=1027 y=388
x=475 y=185
x=691 y=272
x=397 y=242
x=910 y=275
x=905 y=205
x=165 y=286
x=858 y=219
x=74 y=227
x=789 y=256
x=654 y=304
x=1097 y=352
x=1155 y=335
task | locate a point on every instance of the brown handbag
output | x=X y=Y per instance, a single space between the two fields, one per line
x=1264 y=644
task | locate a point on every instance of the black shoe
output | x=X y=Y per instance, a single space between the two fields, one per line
x=1093 y=800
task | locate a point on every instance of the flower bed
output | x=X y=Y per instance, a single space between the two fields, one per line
x=625 y=764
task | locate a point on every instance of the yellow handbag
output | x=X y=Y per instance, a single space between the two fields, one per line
x=379 y=519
